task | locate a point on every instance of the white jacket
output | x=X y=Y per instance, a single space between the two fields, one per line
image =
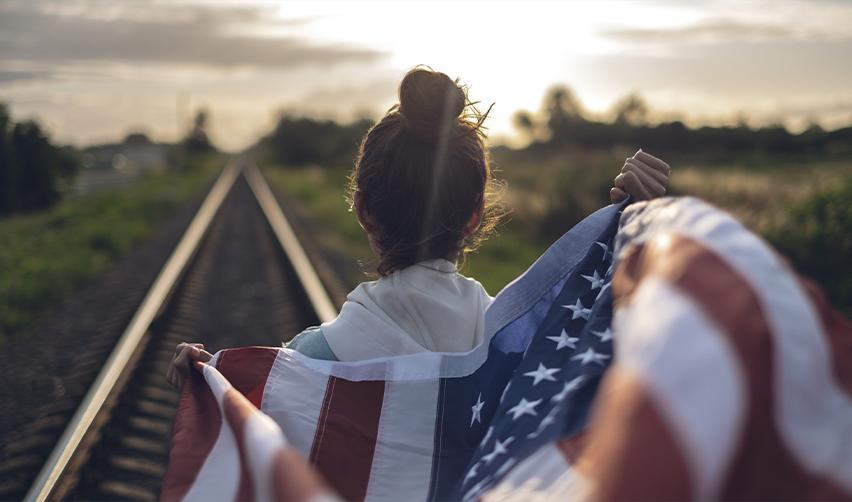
x=428 y=306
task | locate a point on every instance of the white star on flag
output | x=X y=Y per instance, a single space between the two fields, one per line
x=499 y=449
x=595 y=280
x=567 y=388
x=579 y=310
x=471 y=473
x=605 y=335
x=604 y=247
x=542 y=373
x=563 y=340
x=590 y=356
x=476 y=410
x=524 y=407
x=547 y=420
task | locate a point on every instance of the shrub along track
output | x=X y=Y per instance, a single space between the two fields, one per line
x=244 y=281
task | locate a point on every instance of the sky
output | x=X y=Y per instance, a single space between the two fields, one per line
x=93 y=70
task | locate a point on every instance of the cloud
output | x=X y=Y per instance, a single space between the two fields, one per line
x=44 y=33
x=16 y=75
x=713 y=30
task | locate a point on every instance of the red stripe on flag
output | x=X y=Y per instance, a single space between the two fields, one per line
x=838 y=333
x=195 y=432
x=572 y=447
x=346 y=434
x=631 y=454
x=247 y=369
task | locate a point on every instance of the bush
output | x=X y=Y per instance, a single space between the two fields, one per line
x=817 y=238
x=306 y=141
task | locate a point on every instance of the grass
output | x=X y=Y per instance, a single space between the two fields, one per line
x=761 y=198
x=550 y=192
x=46 y=256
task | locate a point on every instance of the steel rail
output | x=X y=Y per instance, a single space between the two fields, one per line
x=310 y=281
x=117 y=363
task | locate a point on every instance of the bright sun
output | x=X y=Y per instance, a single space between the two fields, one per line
x=506 y=52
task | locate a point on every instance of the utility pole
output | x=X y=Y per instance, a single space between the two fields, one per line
x=182 y=115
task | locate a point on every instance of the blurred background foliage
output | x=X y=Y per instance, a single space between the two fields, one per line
x=66 y=214
x=32 y=169
x=70 y=214
x=793 y=189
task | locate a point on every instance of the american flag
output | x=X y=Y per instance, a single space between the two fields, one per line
x=544 y=396
x=706 y=399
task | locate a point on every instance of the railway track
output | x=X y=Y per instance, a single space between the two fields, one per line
x=238 y=276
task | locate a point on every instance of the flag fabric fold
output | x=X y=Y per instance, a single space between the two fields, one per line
x=732 y=377
x=706 y=392
x=229 y=448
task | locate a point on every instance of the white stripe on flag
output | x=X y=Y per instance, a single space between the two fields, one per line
x=219 y=477
x=543 y=476
x=402 y=460
x=672 y=352
x=293 y=397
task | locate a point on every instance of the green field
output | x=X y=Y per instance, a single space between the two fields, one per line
x=47 y=255
x=802 y=207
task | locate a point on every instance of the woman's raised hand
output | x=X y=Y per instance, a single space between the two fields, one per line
x=185 y=355
x=643 y=176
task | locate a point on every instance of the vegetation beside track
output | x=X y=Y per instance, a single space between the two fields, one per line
x=794 y=188
x=802 y=208
x=45 y=256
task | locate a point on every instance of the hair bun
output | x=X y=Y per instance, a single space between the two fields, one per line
x=428 y=100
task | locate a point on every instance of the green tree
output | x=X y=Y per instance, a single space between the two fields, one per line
x=631 y=110
x=197 y=141
x=524 y=121
x=30 y=166
x=299 y=141
x=563 y=111
x=7 y=168
x=38 y=167
x=561 y=104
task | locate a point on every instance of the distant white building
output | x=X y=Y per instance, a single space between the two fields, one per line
x=112 y=165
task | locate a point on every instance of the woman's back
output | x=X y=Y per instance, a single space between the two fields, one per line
x=428 y=306
x=423 y=191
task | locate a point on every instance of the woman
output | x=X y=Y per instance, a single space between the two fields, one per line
x=422 y=190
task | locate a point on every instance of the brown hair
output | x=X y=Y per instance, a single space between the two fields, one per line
x=423 y=171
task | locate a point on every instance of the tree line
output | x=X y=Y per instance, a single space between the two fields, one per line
x=34 y=172
x=563 y=120
x=299 y=141
x=32 y=168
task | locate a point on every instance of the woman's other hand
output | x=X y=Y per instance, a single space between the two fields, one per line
x=185 y=355
x=643 y=176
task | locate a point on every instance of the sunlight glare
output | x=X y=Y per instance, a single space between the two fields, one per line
x=492 y=47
